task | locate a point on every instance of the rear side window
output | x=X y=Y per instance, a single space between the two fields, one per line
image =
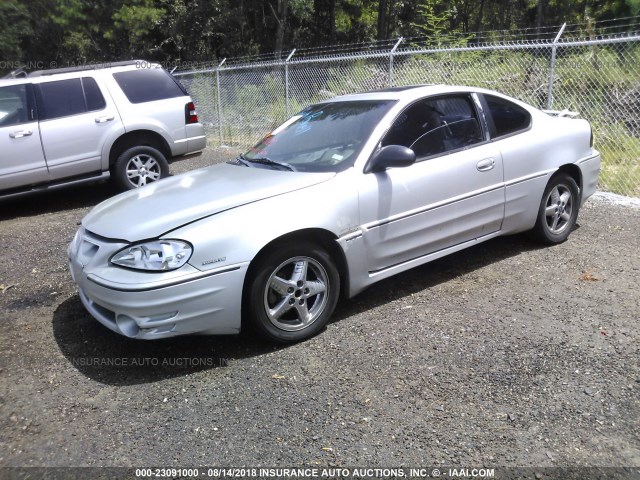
x=64 y=98
x=147 y=85
x=507 y=117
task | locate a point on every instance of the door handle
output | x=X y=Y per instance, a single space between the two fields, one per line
x=20 y=133
x=104 y=119
x=486 y=164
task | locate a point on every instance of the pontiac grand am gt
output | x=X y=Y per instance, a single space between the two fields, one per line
x=347 y=192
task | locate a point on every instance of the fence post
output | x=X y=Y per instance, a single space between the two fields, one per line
x=286 y=83
x=219 y=101
x=391 y=60
x=552 y=67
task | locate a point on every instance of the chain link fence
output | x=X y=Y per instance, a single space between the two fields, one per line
x=597 y=76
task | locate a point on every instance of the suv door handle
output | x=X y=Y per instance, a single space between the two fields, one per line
x=104 y=119
x=20 y=133
x=486 y=164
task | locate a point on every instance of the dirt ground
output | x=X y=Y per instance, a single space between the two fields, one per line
x=506 y=354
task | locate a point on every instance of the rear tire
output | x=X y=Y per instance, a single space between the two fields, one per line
x=558 y=210
x=139 y=166
x=292 y=292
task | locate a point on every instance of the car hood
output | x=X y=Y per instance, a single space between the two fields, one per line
x=160 y=207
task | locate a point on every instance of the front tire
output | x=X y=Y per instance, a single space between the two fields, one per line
x=139 y=166
x=558 y=210
x=292 y=293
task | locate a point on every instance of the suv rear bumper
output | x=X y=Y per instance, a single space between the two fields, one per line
x=195 y=141
x=196 y=138
x=195 y=144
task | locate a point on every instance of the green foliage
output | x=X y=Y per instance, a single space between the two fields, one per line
x=133 y=24
x=14 y=26
x=430 y=22
x=75 y=44
x=620 y=151
x=208 y=30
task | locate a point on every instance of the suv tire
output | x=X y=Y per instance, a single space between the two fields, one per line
x=139 y=166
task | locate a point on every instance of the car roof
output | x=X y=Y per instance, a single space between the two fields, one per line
x=414 y=92
x=403 y=93
x=411 y=93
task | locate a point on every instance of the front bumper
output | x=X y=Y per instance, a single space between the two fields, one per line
x=209 y=303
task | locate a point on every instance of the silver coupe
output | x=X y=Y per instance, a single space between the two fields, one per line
x=345 y=193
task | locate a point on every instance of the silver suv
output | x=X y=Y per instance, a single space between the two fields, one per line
x=76 y=125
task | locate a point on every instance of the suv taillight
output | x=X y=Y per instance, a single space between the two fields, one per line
x=190 y=114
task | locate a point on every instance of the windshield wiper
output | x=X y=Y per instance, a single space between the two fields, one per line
x=242 y=161
x=268 y=161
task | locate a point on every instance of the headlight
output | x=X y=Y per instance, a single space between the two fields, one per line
x=157 y=255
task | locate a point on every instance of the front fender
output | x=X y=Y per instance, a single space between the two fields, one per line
x=237 y=235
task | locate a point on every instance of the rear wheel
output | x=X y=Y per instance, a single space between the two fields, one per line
x=292 y=293
x=139 y=166
x=558 y=210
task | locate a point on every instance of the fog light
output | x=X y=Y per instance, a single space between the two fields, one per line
x=127 y=326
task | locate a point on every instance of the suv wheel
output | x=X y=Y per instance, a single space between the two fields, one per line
x=139 y=166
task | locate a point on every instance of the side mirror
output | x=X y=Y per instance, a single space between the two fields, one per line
x=391 y=156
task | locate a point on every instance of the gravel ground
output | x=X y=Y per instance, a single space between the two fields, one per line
x=506 y=354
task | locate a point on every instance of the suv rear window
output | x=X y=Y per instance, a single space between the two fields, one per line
x=147 y=85
x=68 y=97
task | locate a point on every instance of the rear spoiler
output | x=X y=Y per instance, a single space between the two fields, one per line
x=561 y=113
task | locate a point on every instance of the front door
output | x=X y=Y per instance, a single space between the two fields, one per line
x=22 y=161
x=452 y=194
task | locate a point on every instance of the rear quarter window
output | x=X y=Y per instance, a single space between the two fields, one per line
x=508 y=118
x=148 y=85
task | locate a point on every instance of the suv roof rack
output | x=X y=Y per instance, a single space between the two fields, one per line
x=90 y=66
x=19 y=73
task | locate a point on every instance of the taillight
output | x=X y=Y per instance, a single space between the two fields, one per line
x=591 y=139
x=190 y=114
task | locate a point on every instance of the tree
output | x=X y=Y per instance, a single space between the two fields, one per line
x=76 y=31
x=14 y=27
x=432 y=20
x=280 y=14
x=132 y=31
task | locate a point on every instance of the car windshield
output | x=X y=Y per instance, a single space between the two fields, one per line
x=322 y=138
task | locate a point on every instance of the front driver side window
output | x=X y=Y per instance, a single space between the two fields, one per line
x=13 y=105
x=436 y=125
